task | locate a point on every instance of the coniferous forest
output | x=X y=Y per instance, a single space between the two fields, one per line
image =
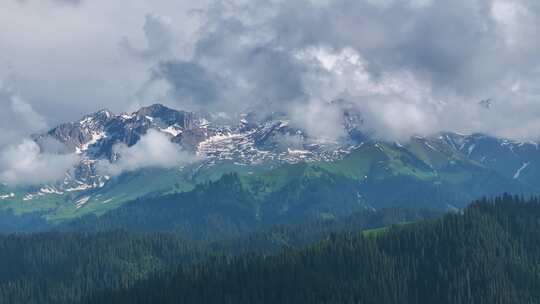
x=488 y=253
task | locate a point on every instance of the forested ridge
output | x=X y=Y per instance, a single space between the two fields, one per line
x=65 y=267
x=226 y=208
x=488 y=254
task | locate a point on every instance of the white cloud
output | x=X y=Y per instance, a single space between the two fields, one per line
x=395 y=105
x=17 y=117
x=26 y=164
x=68 y=60
x=160 y=37
x=153 y=150
x=412 y=66
x=320 y=119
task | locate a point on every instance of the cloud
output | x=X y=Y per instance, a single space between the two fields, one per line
x=410 y=66
x=18 y=117
x=26 y=164
x=160 y=38
x=321 y=120
x=68 y=60
x=69 y=2
x=153 y=150
x=227 y=74
x=394 y=105
x=189 y=82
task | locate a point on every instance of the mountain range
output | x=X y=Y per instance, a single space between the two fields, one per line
x=275 y=163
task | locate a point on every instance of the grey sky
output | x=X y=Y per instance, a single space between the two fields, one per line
x=411 y=66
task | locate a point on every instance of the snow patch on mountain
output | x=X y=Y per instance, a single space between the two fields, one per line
x=95 y=137
x=81 y=202
x=50 y=190
x=7 y=196
x=523 y=167
x=471 y=149
x=173 y=130
x=80 y=187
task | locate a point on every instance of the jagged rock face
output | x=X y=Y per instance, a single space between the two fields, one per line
x=254 y=139
x=168 y=116
x=81 y=134
x=95 y=135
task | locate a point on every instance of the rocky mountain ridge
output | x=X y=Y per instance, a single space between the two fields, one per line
x=245 y=142
x=250 y=140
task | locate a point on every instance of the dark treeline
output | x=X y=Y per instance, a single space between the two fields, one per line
x=490 y=253
x=30 y=223
x=64 y=267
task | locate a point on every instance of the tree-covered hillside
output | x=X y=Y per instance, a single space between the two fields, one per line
x=67 y=267
x=239 y=203
x=230 y=206
x=226 y=207
x=488 y=254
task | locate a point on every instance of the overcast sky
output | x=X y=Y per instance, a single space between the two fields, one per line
x=410 y=66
